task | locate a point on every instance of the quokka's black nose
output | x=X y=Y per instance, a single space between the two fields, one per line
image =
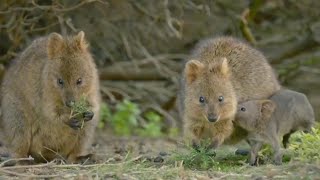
x=212 y=117
x=70 y=103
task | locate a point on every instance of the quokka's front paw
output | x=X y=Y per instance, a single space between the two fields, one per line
x=75 y=123
x=87 y=116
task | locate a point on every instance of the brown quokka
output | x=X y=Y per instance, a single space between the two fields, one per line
x=220 y=73
x=267 y=120
x=38 y=91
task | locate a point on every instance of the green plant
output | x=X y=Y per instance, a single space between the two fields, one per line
x=153 y=126
x=79 y=107
x=305 y=147
x=266 y=155
x=124 y=120
x=200 y=158
x=173 y=132
x=105 y=114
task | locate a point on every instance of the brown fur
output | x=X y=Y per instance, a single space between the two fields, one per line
x=268 y=120
x=34 y=110
x=222 y=67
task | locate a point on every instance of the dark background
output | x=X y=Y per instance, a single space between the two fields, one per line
x=139 y=46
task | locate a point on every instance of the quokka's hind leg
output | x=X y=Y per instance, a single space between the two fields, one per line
x=80 y=153
x=17 y=134
x=277 y=150
x=83 y=145
x=255 y=148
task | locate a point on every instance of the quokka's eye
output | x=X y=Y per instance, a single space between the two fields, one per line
x=243 y=109
x=79 y=81
x=60 y=82
x=221 y=98
x=201 y=99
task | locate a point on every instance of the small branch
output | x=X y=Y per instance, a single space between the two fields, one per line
x=291 y=50
x=70 y=25
x=67 y=8
x=27 y=175
x=17 y=159
x=246 y=31
x=63 y=28
x=171 y=20
x=171 y=121
x=147 y=60
x=309 y=69
x=112 y=73
x=50 y=164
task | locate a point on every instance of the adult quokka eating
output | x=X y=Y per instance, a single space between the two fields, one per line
x=37 y=93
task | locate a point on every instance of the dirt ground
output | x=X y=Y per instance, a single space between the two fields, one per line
x=151 y=158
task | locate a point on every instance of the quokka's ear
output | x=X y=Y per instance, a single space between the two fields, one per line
x=267 y=108
x=224 y=68
x=80 y=41
x=192 y=70
x=220 y=67
x=55 y=45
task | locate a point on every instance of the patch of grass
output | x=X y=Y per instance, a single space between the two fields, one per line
x=153 y=126
x=105 y=114
x=125 y=120
x=203 y=158
x=305 y=147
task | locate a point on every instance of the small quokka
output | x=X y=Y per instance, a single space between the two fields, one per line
x=220 y=73
x=38 y=91
x=268 y=120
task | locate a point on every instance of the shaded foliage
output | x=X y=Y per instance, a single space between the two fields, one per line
x=140 y=46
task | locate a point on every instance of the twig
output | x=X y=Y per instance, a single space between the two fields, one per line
x=66 y=9
x=63 y=28
x=234 y=175
x=246 y=31
x=311 y=70
x=302 y=45
x=18 y=9
x=143 y=10
x=168 y=117
x=70 y=25
x=128 y=50
x=17 y=159
x=27 y=175
x=50 y=164
x=159 y=57
x=55 y=152
x=43 y=28
x=171 y=20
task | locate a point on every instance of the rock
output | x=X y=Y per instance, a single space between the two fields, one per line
x=158 y=159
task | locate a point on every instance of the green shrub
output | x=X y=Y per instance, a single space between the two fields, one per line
x=201 y=158
x=78 y=108
x=305 y=147
x=153 y=125
x=124 y=120
x=105 y=114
